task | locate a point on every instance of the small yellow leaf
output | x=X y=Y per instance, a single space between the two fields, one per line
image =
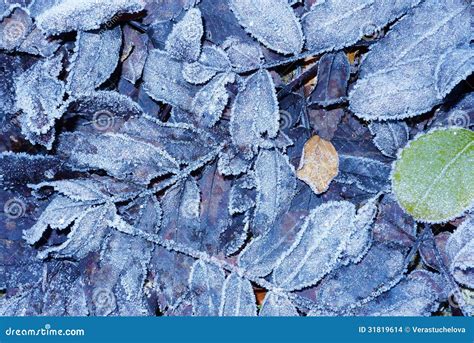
x=319 y=164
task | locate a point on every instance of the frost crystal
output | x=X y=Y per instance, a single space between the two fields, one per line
x=238 y=298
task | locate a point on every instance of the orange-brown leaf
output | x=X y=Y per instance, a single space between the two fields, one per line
x=319 y=164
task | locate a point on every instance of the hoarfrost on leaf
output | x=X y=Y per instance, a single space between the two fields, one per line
x=272 y=22
x=84 y=15
x=334 y=24
x=184 y=41
x=238 y=298
x=205 y=284
x=389 y=136
x=398 y=77
x=95 y=58
x=277 y=305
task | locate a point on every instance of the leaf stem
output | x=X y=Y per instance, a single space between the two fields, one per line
x=275 y=64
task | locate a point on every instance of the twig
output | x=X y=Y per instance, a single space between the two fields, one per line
x=280 y=63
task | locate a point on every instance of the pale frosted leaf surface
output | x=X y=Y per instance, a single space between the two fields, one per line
x=84 y=15
x=164 y=80
x=453 y=66
x=389 y=136
x=369 y=175
x=276 y=183
x=399 y=72
x=272 y=22
x=242 y=195
x=59 y=214
x=213 y=60
x=39 y=95
x=205 y=284
x=238 y=298
x=277 y=305
x=14 y=29
x=114 y=153
x=243 y=55
x=95 y=58
x=334 y=24
x=319 y=164
x=333 y=77
x=433 y=176
x=318 y=248
x=184 y=41
x=233 y=162
x=413 y=296
x=459 y=250
x=255 y=112
x=262 y=254
x=211 y=100
x=377 y=272
x=360 y=239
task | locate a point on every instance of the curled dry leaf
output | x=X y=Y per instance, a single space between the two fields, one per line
x=319 y=164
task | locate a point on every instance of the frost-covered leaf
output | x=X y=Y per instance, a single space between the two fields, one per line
x=334 y=24
x=333 y=77
x=413 y=296
x=233 y=162
x=272 y=22
x=238 y=298
x=39 y=94
x=205 y=284
x=459 y=250
x=184 y=41
x=60 y=292
x=389 y=136
x=141 y=150
x=366 y=174
x=460 y=114
x=255 y=112
x=213 y=60
x=164 y=80
x=95 y=58
x=276 y=182
x=378 y=271
x=318 y=248
x=262 y=253
x=117 y=153
x=242 y=195
x=433 y=176
x=399 y=77
x=211 y=100
x=10 y=68
x=319 y=164
x=136 y=51
x=243 y=55
x=84 y=15
x=277 y=305
x=454 y=65
x=360 y=240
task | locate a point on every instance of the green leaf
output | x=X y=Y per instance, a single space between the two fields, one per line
x=433 y=175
